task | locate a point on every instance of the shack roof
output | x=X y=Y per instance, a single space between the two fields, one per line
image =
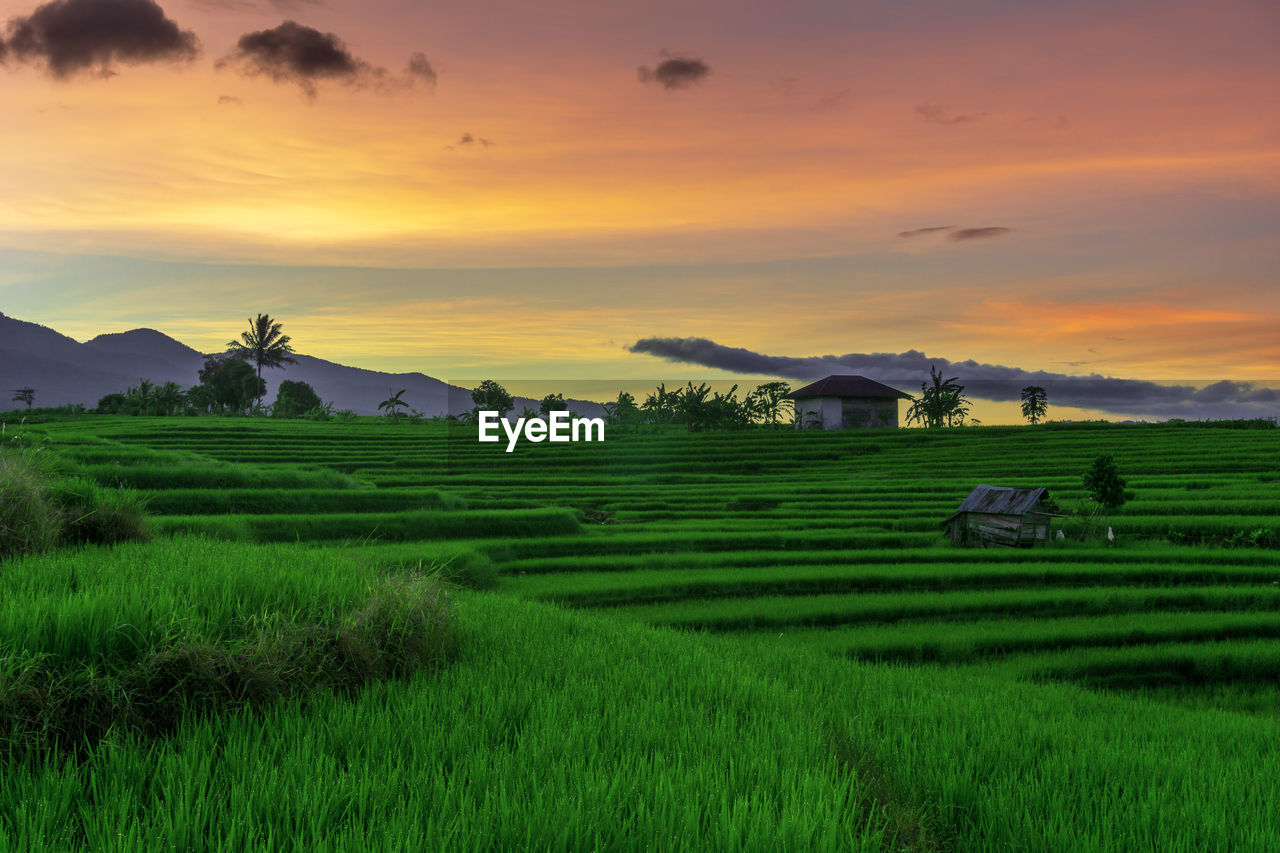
x=844 y=385
x=1000 y=500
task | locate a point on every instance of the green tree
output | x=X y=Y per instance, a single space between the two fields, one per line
x=769 y=401
x=1035 y=402
x=1104 y=483
x=294 y=399
x=24 y=395
x=111 y=404
x=622 y=412
x=941 y=403
x=489 y=396
x=393 y=404
x=169 y=399
x=227 y=384
x=552 y=403
x=265 y=345
x=661 y=407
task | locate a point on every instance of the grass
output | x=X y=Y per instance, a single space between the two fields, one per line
x=41 y=508
x=572 y=731
x=1082 y=695
x=138 y=638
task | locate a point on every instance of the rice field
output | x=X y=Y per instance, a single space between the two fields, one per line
x=962 y=686
x=827 y=541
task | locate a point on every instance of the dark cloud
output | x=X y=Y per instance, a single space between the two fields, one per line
x=282 y=6
x=937 y=114
x=293 y=53
x=676 y=72
x=69 y=36
x=978 y=233
x=920 y=232
x=468 y=139
x=831 y=102
x=229 y=99
x=1130 y=397
x=420 y=69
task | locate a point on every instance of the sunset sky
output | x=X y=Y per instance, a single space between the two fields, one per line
x=1101 y=180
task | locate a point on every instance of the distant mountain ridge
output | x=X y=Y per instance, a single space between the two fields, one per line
x=64 y=371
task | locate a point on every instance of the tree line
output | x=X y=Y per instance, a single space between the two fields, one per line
x=232 y=383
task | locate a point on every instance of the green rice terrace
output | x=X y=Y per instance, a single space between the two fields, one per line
x=752 y=640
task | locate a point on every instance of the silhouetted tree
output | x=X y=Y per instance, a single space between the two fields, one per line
x=24 y=395
x=623 y=412
x=227 y=383
x=265 y=345
x=941 y=403
x=1035 y=402
x=552 y=403
x=489 y=396
x=393 y=404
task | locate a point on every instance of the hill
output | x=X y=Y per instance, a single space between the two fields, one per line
x=64 y=371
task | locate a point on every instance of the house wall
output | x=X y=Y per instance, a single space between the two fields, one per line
x=846 y=412
x=976 y=528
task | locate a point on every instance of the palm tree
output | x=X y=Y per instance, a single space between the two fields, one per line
x=265 y=345
x=392 y=404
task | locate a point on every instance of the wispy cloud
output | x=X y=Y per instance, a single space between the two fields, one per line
x=921 y=232
x=938 y=114
x=978 y=233
x=957 y=234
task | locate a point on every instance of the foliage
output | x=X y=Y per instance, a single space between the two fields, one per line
x=552 y=403
x=941 y=403
x=24 y=395
x=623 y=412
x=768 y=402
x=294 y=399
x=1035 y=403
x=41 y=509
x=264 y=344
x=787 y=555
x=489 y=396
x=204 y=635
x=228 y=384
x=393 y=404
x=1105 y=485
x=700 y=409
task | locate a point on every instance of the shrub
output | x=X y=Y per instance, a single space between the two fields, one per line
x=40 y=510
x=29 y=519
x=95 y=515
x=294 y=399
x=1105 y=484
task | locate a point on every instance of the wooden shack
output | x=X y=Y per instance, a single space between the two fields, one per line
x=994 y=515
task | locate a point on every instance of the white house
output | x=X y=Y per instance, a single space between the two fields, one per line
x=846 y=402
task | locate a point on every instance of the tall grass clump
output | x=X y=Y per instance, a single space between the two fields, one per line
x=96 y=515
x=29 y=521
x=135 y=641
x=40 y=509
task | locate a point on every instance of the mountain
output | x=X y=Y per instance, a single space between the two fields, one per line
x=147 y=343
x=63 y=370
